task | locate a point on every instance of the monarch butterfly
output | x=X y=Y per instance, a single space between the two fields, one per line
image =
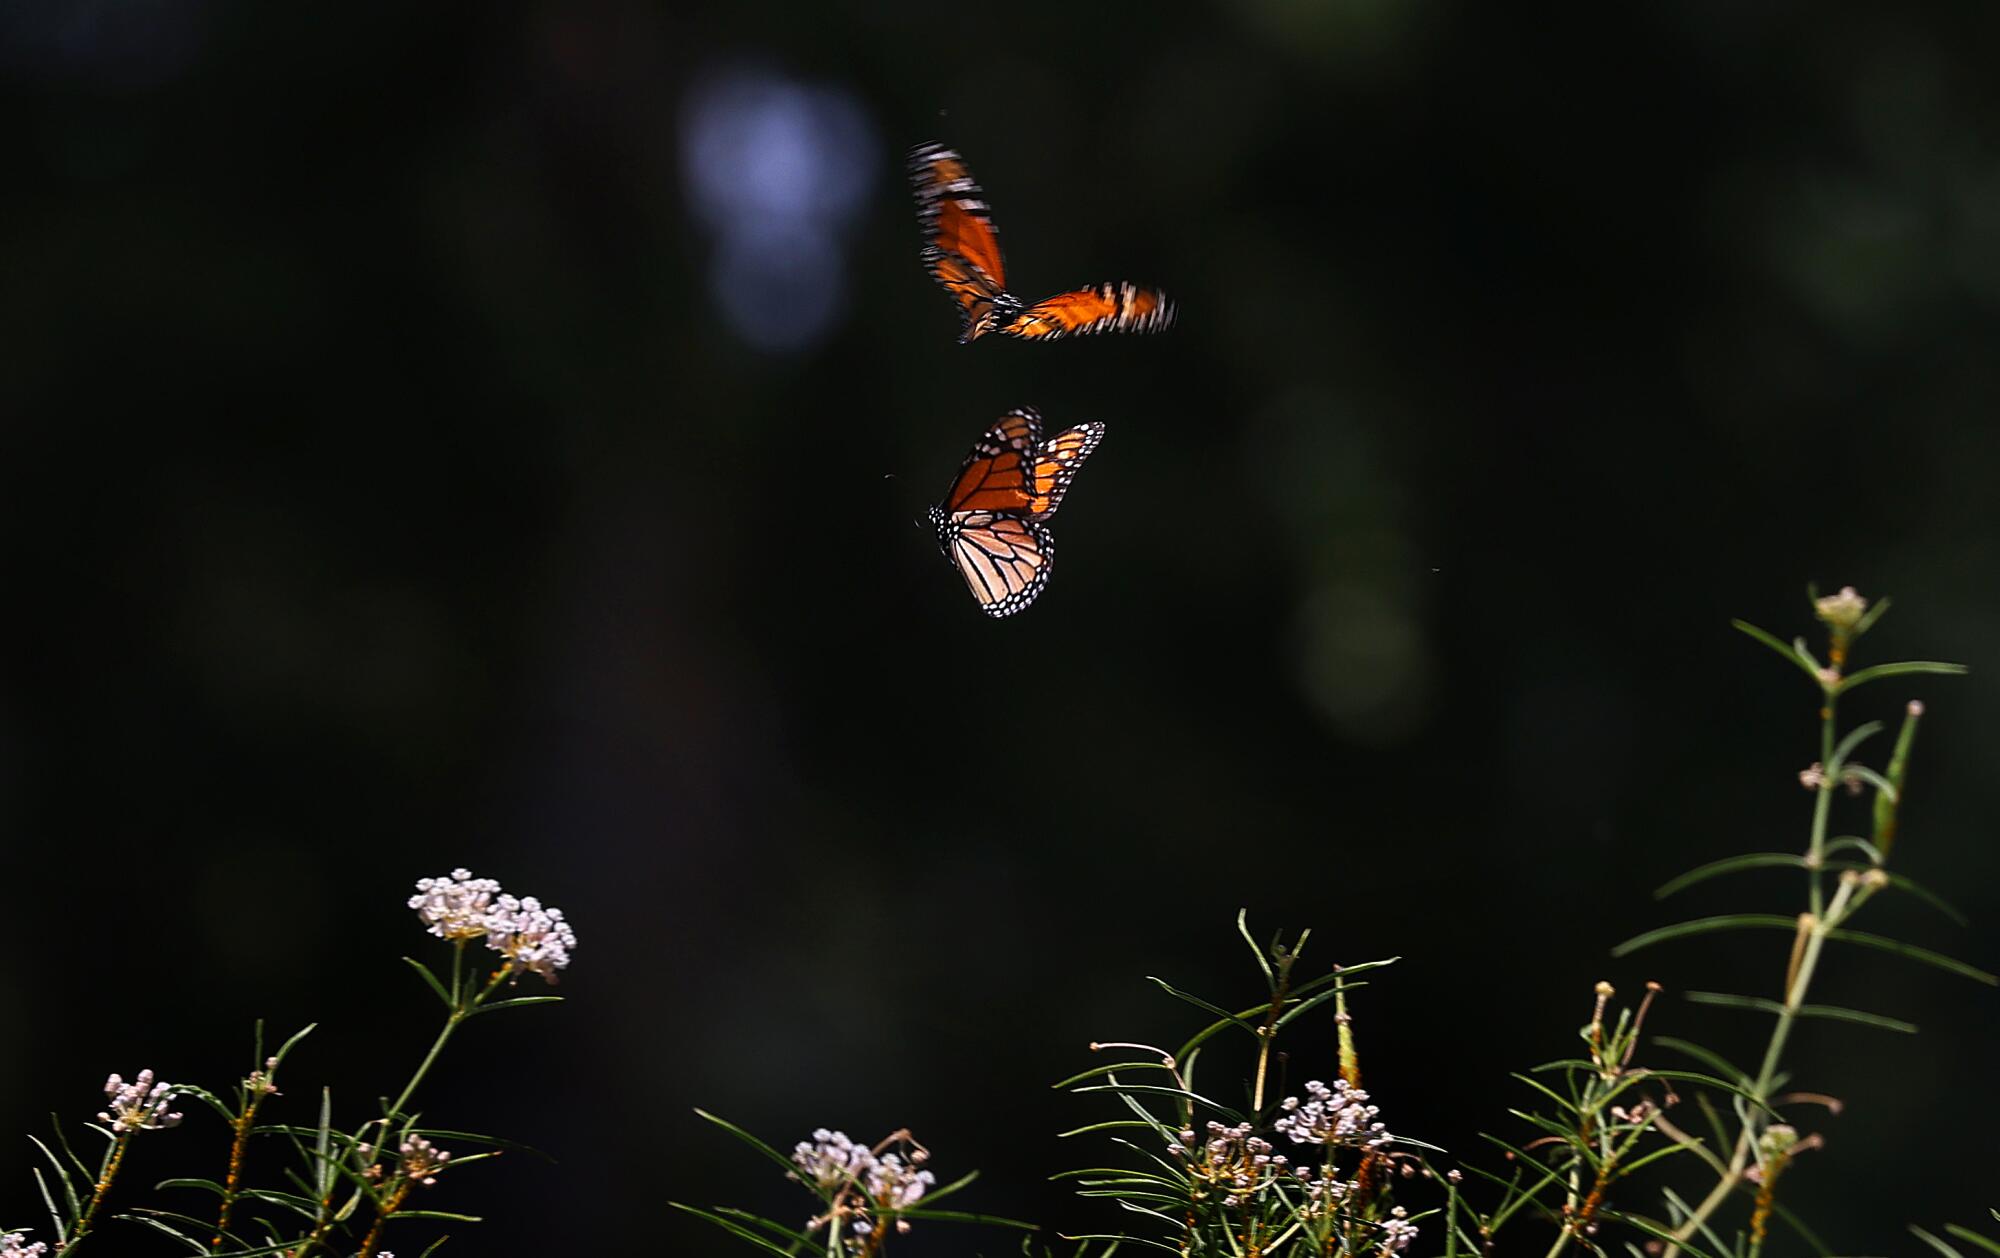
x=990 y=523
x=962 y=252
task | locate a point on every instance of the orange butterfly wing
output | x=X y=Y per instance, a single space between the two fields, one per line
x=1004 y=559
x=1055 y=466
x=1119 y=307
x=990 y=524
x=961 y=245
x=995 y=476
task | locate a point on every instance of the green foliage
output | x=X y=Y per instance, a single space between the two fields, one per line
x=329 y=1190
x=1604 y=1152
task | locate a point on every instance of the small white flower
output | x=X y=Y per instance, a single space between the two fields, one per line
x=17 y=1245
x=529 y=936
x=455 y=907
x=141 y=1105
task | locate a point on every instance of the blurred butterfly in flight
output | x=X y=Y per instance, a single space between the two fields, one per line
x=962 y=252
x=990 y=524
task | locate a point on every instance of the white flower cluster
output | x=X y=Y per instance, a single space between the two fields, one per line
x=889 y=1182
x=1398 y=1231
x=141 y=1105
x=1325 y=1191
x=16 y=1245
x=1232 y=1157
x=421 y=1160
x=894 y=1184
x=461 y=907
x=1339 y=1115
x=830 y=1160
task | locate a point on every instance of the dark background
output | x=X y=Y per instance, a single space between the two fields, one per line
x=388 y=486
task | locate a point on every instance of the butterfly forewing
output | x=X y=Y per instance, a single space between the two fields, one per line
x=995 y=476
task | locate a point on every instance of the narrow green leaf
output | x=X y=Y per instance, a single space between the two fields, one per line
x=1859 y=844
x=514 y=1002
x=1855 y=737
x=56 y=1222
x=1915 y=953
x=1904 y=883
x=1727 y=1000
x=1971 y=1237
x=1770 y=640
x=1906 y=667
x=1727 y=865
x=750 y=1140
x=285 y=1048
x=1256 y=949
x=1934 y=1242
x=1199 y=1003
x=735 y=1229
x=940 y=1194
x=1805 y=653
x=1095 y=1071
x=1832 y=1012
x=1883 y=787
x=1713 y=1060
x=1863 y=625
x=430 y=979
x=963 y=1216
x=1837 y=1014
x=1658 y=1232
x=1707 y=925
x=206 y=1185
x=1107 y=1125
x=770 y=1225
x=1678 y=1212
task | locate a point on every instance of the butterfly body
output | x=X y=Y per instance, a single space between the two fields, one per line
x=991 y=524
x=962 y=253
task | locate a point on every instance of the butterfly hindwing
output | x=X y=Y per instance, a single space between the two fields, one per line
x=1004 y=559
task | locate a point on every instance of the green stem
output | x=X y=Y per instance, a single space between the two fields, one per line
x=1824 y=917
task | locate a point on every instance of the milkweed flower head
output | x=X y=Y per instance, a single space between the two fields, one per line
x=420 y=1160
x=1841 y=611
x=830 y=1160
x=861 y=1183
x=529 y=935
x=455 y=906
x=17 y=1245
x=141 y=1105
x=1339 y=1115
x=1397 y=1231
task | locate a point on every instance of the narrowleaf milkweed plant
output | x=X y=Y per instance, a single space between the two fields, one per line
x=331 y=1190
x=1609 y=1151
